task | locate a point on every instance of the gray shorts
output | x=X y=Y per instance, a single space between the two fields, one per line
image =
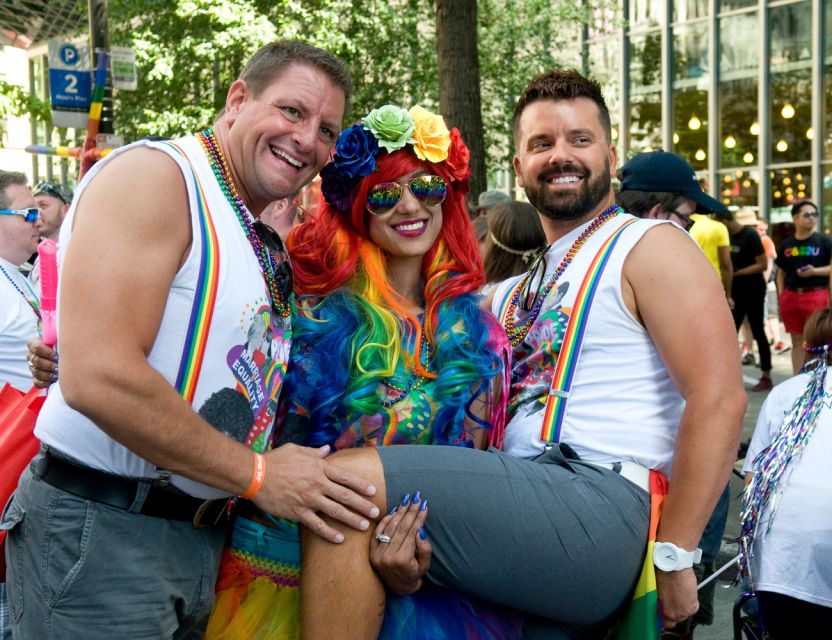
x=555 y=537
x=82 y=569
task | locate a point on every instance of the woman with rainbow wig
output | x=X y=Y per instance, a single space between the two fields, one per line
x=389 y=347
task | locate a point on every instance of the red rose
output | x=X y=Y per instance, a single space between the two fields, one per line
x=458 y=158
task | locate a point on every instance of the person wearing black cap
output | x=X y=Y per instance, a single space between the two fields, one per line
x=803 y=268
x=663 y=185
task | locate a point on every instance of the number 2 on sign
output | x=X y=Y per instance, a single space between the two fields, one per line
x=72 y=81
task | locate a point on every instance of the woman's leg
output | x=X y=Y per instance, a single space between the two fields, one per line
x=341 y=595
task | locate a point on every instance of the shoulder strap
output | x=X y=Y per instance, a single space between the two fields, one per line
x=205 y=295
x=573 y=340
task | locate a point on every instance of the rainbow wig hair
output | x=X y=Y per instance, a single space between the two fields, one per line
x=347 y=309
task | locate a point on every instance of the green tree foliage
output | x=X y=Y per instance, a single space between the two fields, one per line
x=189 y=51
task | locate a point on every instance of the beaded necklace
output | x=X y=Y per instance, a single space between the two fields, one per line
x=414 y=380
x=222 y=173
x=516 y=334
x=33 y=302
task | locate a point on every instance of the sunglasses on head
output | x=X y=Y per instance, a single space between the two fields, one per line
x=54 y=189
x=429 y=190
x=30 y=215
x=278 y=258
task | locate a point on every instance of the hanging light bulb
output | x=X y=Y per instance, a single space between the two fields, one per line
x=810 y=133
x=787 y=181
x=801 y=194
x=746 y=183
x=730 y=142
x=614 y=133
x=801 y=186
x=728 y=178
x=694 y=123
x=777 y=194
x=700 y=155
x=748 y=158
x=789 y=191
x=782 y=146
x=675 y=138
x=787 y=111
x=726 y=201
x=754 y=129
x=740 y=173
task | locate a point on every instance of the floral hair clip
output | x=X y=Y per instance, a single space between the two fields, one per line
x=390 y=128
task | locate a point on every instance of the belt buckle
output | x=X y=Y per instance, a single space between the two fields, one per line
x=197 y=523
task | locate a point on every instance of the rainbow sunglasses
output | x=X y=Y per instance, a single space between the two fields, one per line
x=429 y=190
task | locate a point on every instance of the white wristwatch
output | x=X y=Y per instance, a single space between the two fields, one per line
x=668 y=557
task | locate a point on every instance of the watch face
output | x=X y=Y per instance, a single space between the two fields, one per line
x=666 y=558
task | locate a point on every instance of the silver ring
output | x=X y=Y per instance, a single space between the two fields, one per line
x=32 y=360
x=383 y=538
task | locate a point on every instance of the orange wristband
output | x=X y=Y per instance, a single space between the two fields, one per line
x=257 y=478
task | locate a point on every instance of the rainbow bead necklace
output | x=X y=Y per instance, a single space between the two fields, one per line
x=222 y=173
x=33 y=301
x=517 y=333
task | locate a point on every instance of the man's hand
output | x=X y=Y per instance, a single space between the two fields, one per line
x=43 y=363
x=806 y=271
x=403 y=561
x=677 y=596
x=299 y=483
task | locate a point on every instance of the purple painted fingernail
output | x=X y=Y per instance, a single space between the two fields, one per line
x=392 y=511
x=424 y=505
x=416 y=497
x=54 y=377
x=422 y=533
x=405 y=500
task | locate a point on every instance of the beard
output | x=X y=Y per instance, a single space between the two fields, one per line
x=573 y=204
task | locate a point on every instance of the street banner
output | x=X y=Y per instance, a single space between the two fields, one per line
x=123 y=68
x=70 y=83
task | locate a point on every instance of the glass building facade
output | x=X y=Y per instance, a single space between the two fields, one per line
x=741 y=88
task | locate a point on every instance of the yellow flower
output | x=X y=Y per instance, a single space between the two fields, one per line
x=431 y=135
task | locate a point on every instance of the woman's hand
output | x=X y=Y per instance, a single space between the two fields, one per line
x=43 y=363
x=399 y=550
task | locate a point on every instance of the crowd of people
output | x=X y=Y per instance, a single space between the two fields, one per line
x=232 y=445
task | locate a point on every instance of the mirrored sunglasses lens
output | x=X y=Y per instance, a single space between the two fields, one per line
x=383 y=197
x=31 y=215
x=429 y=190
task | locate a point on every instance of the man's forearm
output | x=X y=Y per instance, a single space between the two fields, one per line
x=706 y=449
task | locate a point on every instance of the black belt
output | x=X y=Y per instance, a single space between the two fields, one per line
x=120 y=492
x=805 y=289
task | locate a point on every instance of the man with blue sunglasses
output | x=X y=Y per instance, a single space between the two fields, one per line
x=18 y=303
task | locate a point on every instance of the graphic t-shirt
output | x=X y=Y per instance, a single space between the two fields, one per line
x=745 y=247
x=815 y=251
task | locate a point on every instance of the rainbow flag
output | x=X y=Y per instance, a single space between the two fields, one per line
x=642 y=620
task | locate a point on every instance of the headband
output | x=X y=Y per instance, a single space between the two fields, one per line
x=526 y=255
x=388 y=129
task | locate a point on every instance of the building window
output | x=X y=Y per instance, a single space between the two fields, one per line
x=604 y=66
x=790 y=64
x=787 y=186
x=690 y=93
x=739 y=188
x=739 y=125
x=645 y=92
x=689 y=10
x=646 y=13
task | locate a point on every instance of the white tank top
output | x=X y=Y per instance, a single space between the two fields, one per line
x=623 y=405
x=246 y=351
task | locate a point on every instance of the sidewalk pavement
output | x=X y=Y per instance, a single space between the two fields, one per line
x=726 y=594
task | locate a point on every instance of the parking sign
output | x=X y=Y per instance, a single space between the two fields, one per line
x=70 y=83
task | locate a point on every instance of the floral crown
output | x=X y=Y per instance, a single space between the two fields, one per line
x=391 y=128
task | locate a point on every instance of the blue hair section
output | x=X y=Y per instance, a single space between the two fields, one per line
x=333 y=382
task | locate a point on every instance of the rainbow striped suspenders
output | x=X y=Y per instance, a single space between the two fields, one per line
x=571 y=348
x=205 y=295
